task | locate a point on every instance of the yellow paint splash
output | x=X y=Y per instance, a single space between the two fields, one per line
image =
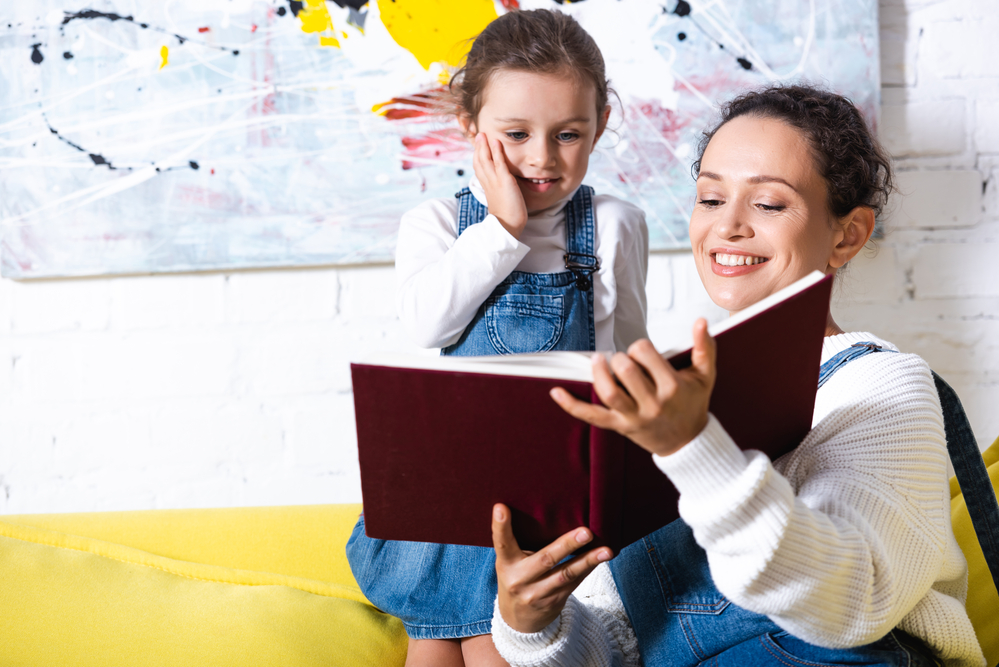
x=316 y=18
x=436 y=31
x=164 y=53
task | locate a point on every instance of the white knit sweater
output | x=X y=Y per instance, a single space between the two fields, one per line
x=838 y=542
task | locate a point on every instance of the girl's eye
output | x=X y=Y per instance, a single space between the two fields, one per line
x=567 y=136
x=517 y=136
x=709 y=203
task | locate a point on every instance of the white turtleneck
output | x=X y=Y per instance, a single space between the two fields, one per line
x=840 y=541
x=442 y=278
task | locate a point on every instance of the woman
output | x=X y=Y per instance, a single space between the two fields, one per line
x=840 y=552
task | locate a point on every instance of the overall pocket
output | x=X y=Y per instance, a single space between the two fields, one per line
x=525 y=323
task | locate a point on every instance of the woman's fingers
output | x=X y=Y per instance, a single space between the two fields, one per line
x=597 y=415
x=606 y=385
x=507 y=549
x=704 y=356
x=635 y=379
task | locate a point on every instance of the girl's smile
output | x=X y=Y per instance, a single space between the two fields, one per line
x=548 y=125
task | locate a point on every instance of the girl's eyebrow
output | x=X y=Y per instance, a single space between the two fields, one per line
x=753 y=179
x=577 y=119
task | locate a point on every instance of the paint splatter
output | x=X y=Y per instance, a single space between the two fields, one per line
x=67 y=55
x=204 y=29
x=436 y=31
x=164 y=55
x=36 y=54
x=745 y=63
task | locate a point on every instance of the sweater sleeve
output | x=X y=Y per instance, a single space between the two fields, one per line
x=593 y=630
x=443 y=278
x=842 y=558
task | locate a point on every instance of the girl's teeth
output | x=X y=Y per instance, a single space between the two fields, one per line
x=738 y=260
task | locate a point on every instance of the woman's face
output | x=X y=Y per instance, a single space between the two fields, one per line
x=761 y=220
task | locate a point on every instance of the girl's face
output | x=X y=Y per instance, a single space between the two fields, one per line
x=761 y=220
x=548 y=125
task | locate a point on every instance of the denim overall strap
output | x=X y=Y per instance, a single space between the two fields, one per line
x=470 y=211
x=681 y=619
x=972 y=475
x=536 y=312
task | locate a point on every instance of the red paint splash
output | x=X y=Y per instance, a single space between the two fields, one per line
x=435 y=147
x=510 y=5
x=432 y=147
x=253 y=27
x=204 y=29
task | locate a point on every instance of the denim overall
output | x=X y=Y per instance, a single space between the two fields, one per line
x=444 y=591
x=682 y=619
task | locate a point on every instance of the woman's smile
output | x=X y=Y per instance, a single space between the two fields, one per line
x=726 y=262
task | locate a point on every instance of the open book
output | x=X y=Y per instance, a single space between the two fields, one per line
x=442 y=439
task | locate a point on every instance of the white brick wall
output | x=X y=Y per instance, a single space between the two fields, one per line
x=214 y=390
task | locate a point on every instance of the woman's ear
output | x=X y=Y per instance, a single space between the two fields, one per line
x=855 y=230
x=601 y=126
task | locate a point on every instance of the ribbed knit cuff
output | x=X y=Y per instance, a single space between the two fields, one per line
x=706 y=463
x=522 y=641
x=576 y=637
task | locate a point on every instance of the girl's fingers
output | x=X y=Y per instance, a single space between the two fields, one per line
x=549 y=558
x=571 y=573
x=499 y=158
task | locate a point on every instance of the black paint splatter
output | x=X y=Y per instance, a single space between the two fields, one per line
x=461 y=172
x=194 y=165
x=67 y=55
x=682 y=8
x=91 y=14
x=36 y=54
x=99 y=160
x=281 y=11
x=295 y=6
x=745 y=63
x=353 y=4
x=681 y=36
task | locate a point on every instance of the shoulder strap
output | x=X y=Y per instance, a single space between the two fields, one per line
x=972 y=476
x=969 y=468
x=470 y=211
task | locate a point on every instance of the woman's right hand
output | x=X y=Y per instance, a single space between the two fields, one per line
x=533 y=587
x=503 y=195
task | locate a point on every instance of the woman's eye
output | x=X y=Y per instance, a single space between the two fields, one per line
x=710 y=203
x=567 y=136
x=517 y=136
x=772 y=207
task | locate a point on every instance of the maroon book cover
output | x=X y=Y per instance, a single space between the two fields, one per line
x=439 y=448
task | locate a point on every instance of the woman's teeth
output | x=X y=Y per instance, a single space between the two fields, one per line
x=738 y=260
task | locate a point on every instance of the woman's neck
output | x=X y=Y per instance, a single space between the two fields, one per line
x=832 y=329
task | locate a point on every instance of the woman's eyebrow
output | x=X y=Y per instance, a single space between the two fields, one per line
x=752 y=179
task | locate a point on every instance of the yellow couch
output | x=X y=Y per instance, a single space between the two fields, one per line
x=247 y=586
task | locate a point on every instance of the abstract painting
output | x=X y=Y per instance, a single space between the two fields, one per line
x=194 y=135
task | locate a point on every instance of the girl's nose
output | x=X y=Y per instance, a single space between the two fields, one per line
x=542 y=154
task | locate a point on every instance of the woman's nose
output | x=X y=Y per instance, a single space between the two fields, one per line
x=733 y=222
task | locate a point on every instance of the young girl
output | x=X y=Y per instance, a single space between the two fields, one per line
x=525 y=259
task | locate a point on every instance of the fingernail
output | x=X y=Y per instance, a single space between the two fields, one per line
x=603 y=555
x=582 y=535
x=498 y=514
x=555 y=393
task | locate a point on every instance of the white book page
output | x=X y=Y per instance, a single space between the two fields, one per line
x=568 y=365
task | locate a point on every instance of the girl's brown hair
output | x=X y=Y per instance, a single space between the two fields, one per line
x=539 y=41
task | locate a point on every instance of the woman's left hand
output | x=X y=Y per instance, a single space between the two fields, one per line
x=659 y=408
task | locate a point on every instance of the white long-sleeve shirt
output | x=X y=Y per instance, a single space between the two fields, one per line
x=443 y=278
x=840 y=541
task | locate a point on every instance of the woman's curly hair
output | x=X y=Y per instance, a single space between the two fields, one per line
x=856 y=168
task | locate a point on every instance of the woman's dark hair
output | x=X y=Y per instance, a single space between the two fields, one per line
x=539 y=41
x=856 y=168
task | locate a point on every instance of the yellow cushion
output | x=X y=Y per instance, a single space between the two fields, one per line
x=248 y=586
x=983 y=600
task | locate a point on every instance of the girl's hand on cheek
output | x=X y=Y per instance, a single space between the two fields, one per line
x=503 y=196
x=659 y=408
x=533 y=587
